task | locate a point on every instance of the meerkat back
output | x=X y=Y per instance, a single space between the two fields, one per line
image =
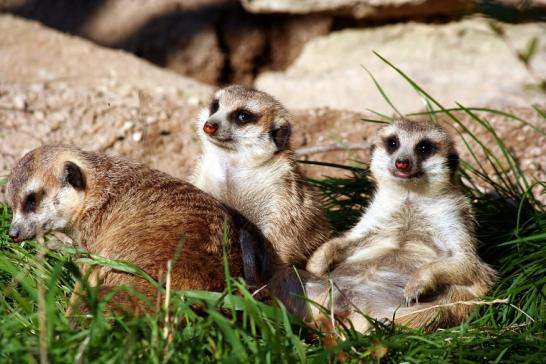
x=247 y=163
x=123 y=210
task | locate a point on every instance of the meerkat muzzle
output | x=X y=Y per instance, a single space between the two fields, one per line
x=210 y=128
x=15 y=234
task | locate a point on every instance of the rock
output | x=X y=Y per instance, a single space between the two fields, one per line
x=456 y=62
x=375 y=9
x=177 y=34
x=199 y=57
x=254 y=44
x=212 y=41
x=392 y=9
x=79 y=93
x=287 y=39
x=245 y=43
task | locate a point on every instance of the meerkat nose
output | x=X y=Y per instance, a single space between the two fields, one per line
x=14 y=234
x=402 y=164
x=210 y=128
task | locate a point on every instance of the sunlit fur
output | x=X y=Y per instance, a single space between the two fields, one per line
x=413 y=249
x=129 y=212
x=258 y=176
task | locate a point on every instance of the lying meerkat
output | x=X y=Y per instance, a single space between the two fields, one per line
x=413 y=249
x=247 y=163
x=123 y=210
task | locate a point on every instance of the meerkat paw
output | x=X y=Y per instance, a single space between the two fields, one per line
x=317 y=265
x=320 y=260
x=419 y=283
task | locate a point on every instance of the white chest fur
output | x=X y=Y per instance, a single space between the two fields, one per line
x=253 y=189
x=441 y=216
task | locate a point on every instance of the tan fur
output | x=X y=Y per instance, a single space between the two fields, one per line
x=129 y=212
x=251 y=167
x=413 y=249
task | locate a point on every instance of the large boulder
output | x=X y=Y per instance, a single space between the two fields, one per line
x=463 y=61
x=213 y=41
x=56 y=88
x=391 y=9
x=377 y=9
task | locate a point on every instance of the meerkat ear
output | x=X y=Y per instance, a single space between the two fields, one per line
x=453 y=161
x=74 y=176
x=281 y=134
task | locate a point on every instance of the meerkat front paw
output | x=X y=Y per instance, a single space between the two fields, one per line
x=419 y=283
x=318 y=264
x=320 y=260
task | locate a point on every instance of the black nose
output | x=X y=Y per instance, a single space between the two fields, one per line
x=403 y=164
x=14 y=233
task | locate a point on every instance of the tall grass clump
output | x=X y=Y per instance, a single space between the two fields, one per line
x=233 y=327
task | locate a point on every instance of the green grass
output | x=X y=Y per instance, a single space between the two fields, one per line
x=236 y=328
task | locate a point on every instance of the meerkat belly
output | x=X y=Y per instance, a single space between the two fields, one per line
x=398 y=248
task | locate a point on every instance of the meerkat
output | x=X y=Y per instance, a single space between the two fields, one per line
x=412 y=256
x=123 y=210
x=248 y=164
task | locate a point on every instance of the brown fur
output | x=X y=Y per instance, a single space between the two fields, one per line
x=140 y=215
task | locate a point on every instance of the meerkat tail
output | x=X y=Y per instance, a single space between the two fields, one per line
x=288 y=286
x=260 y=260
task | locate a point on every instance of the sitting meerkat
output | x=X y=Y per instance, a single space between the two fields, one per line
x=248 y=164
x=413 y=254
x=123 y=210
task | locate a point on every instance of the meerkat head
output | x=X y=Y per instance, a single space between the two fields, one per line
x=241 y=119
x=414 y=153
x=46 y=190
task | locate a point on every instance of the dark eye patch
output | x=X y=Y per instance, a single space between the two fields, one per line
x=214 y=106
x=425 y=148
x=391 y=144
x=242 y=116
x=31 y=201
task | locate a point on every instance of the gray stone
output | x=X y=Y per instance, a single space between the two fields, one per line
x=456 y=62
x=56 y=88
x=377 y=9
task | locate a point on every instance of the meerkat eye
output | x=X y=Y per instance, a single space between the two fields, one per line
x=391 y=144
x=425 y=147
x=243 y=116
x=214 y=106
x=30 y=202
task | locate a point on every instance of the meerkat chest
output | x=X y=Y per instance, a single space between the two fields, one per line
x=415 y=226
x=438 y=222
x=252 y=190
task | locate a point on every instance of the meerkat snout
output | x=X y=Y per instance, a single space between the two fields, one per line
x=403 y=165
x=210 y=128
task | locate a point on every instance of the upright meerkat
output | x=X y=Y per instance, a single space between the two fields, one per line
x=247 y=163
x=119 y=209
x=413 y=254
